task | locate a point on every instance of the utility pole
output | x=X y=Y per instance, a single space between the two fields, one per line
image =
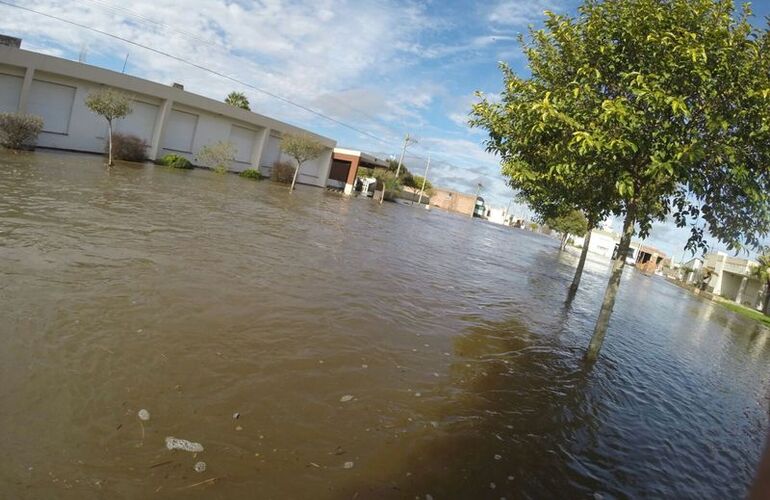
x=424 y=180
x=407 y=140
x=478 y=190
x=124 y=63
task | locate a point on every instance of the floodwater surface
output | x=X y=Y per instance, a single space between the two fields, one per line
x=323 y=347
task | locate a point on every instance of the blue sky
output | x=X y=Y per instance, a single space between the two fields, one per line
x=382 y=67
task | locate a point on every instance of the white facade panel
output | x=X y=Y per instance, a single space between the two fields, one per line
x=140 y=122
x=53 y=102
x=180 y=131
x=243 y=139
x=10 y=91
x=272 y=151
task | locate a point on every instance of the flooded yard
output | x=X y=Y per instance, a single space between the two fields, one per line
x=323 y=347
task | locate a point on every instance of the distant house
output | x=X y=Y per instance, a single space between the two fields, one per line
x=345 y=167
x=605 y=242
x=691 y=270
x=455 y=201
x=732 y=278
x=602 y=242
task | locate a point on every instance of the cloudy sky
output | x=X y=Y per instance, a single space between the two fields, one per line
x=379 y=68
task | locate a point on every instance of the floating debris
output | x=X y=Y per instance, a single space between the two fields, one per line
x=238 y=428
x=173 y=443
x=200 y=467
x=364 y=366
x=417 y=394
x=143 y=415
x=346 y=398
x=492 y=485
x=510 y=478
x=348 y=465
x=498 y=457
x=236 y=415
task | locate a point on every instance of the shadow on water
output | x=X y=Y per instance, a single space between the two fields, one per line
x=517 y=405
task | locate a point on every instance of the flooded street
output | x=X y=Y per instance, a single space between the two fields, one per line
x=198 y=297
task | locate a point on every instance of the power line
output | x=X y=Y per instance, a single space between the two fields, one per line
x=201 y=67
x=192 y=36
x=218 y=73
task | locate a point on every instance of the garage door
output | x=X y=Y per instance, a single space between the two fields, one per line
x=52 y=102
x=243 y=140
x=180 y=131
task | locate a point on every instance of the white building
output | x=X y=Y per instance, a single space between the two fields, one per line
x=732 y=278
x=497 y=215
x=168 y=118
x=602 y=242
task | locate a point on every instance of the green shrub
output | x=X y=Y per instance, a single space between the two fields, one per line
x=175 y=161
x=283 y=171
x=217 y=156
x=128 y=147
x=19 y=131
x=251 y=173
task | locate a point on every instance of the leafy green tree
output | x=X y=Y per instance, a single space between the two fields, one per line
x=572 y=222
x=238 y=99
x=762 y=272
x=112 y=105
x=302 y=148
x=662 y=107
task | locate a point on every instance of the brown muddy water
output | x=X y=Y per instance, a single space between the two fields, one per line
x=196 y=297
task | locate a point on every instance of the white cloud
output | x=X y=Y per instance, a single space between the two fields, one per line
x=518 y=13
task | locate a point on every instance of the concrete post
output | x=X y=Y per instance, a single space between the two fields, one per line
x=719 y=268
x=160 y=124
x=741 y=290
x=29 y=75
x=259 y=148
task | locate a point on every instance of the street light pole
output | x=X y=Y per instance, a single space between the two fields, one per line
x=424 y=180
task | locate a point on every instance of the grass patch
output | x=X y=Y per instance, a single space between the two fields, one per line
x=747 y=312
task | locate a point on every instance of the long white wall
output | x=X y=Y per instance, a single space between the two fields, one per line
x=169 y=119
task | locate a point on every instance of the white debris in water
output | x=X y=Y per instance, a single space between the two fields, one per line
x=346 y=398
x=417 y=394
x=428 y=497
x=348 y=465
x=236 y=415
x=364 y=366
x=173 y=443
x=498 y=457
x=510 y=478
x=492 y=485
x=200 y=467
x=143 y=415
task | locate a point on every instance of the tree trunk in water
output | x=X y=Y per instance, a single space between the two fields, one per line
x=579 y=271
x=563 y=242
x=294 y=179
x=109 y=144
x=600 y=330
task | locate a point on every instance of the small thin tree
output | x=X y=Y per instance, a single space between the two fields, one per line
x=112 y=105
x=302 y=148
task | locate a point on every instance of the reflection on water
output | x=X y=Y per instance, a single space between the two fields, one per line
x=198 y=297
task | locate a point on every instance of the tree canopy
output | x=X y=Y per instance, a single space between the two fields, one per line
x=660 y=107
x=646 y=110
x=238 y=99
x=573 y=222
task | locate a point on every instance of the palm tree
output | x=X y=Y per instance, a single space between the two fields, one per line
x=238 y=99
x=763 y=273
